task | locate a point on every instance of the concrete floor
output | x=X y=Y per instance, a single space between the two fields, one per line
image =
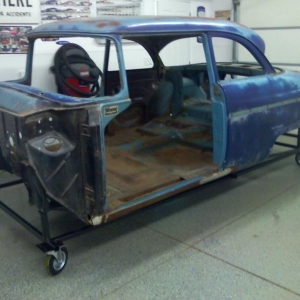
x=237 y=239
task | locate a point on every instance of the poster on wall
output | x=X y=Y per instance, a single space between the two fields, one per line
x=13 y=39
x=223 y=14
x=60 y=10
x=19 y=12
x=119 y=7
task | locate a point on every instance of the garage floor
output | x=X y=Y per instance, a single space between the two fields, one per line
x=235 y=239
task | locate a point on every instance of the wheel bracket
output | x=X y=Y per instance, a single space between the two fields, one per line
x=57 y=254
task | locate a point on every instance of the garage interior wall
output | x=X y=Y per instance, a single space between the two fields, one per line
x=277 y=22
x=13 y=65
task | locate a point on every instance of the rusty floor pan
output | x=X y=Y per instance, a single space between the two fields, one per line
x=138 y=164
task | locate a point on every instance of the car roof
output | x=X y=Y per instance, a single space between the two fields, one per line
x=137 y=27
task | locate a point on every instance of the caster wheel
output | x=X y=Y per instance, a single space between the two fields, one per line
x=55 y=264
x=297 y=159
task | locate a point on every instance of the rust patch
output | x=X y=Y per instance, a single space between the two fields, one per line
x=155 y=162
x=217 y=92
x=114 y=214
x=91 y=21
x=108 y=23
x=151 y=189
x=176 y=124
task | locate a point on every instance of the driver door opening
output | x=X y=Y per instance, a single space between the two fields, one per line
x=165 y=136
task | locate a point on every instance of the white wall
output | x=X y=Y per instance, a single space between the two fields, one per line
x=277 y=22
x=223 y=47
x=221 y=5
x=270 y=13
x=13 y=65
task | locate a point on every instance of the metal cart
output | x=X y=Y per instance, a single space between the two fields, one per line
x=53 y=246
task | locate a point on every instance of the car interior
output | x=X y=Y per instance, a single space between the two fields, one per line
x=166 y=135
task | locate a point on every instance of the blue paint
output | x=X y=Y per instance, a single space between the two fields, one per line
x=234 y=96
x=241 y=137
x=251 y=135
x=32 y=100
x=248 y=93
x=62 y=42
x=247 y=114
x=130 y=26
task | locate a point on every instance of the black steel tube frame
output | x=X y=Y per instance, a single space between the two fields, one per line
x=53 y=243
x=21 y=220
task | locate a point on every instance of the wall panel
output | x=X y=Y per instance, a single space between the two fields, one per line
x=278 y=23
x=269 y=13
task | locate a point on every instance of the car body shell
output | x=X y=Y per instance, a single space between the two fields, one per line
x=248 y=114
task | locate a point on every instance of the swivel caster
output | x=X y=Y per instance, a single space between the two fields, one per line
x=56 y=261
x=297 y=159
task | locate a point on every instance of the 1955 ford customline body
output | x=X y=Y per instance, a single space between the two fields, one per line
x=152 y=131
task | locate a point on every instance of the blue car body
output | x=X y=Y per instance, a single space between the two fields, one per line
x=237 y=128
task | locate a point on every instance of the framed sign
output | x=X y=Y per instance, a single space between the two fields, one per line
x=223 y=14
x=20 y=12
x=119 y=7
x=59 y=10
x=13 y=39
